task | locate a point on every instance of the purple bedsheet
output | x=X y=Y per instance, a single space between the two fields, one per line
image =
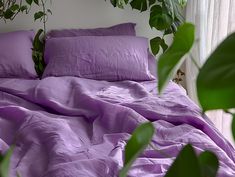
x=73 y=127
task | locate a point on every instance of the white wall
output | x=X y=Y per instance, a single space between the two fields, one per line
x=83 y=14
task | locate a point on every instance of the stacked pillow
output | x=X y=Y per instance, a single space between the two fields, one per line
x=16 y=55
x=112 y=54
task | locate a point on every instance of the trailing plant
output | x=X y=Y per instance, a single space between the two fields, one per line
x=165 y=16
x=9 y=9
x=39 y=39
x=215 y=82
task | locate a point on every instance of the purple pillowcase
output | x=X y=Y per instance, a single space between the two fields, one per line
x=16 y=55
x=111 y=58
x=127 y=29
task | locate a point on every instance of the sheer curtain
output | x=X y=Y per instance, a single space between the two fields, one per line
x=214 y=20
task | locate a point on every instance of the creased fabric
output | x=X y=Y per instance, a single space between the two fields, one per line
x=74 y=127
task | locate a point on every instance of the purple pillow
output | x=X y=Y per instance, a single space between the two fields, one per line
x=127 y=29
x=152 y=64
x=111 y=58
x=16 y=55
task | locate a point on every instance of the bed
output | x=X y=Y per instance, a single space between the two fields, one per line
x=74 y=127
x=71 y=126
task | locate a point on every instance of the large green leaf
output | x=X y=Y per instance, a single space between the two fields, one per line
x=140 y=5
x=215 y=82
x=5 y=163
x=185 y=165
x=171 y=60
x=209 y=164
x=139 y=140
x=160 y=18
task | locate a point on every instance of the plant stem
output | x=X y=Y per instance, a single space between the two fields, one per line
x=44 y=17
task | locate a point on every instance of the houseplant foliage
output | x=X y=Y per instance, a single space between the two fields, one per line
x=217 y=73
x=165 y=16
x=5 y=163
x=9 y=9
x=215 y=87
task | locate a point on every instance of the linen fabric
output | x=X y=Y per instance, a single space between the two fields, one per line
x=16 y=55
x=117 y=30
x=110 y=58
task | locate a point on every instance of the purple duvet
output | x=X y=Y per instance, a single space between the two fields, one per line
x=73 y=127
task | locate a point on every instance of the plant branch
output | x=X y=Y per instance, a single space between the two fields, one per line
x=44 y=17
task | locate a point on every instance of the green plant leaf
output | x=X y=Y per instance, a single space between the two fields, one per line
x=182 y=2
x=163 y=45
x=140 y=5
x=155 y=45
x=159 y=18
x=5 y=163
x=1 y=158
x=36 y=2
x=38 y=49
x=49 y=11
x=151 y=2
x=185 y=165
x=215 y=82
x=209 y=164
x=170 y=61
x=139 y=140
x=23 y=8
x=37 y=43
x=15 y=7
x=119 y=3
x=29 y=2
x=38 y=15
x=8 y=14
x=233 y=126
x=113 y=2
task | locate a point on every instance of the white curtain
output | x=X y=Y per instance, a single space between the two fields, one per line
x=214 y=20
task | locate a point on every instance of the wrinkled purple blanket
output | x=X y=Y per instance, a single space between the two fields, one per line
x=73 y=127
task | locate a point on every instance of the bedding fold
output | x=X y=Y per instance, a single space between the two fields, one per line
x=75 y=127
